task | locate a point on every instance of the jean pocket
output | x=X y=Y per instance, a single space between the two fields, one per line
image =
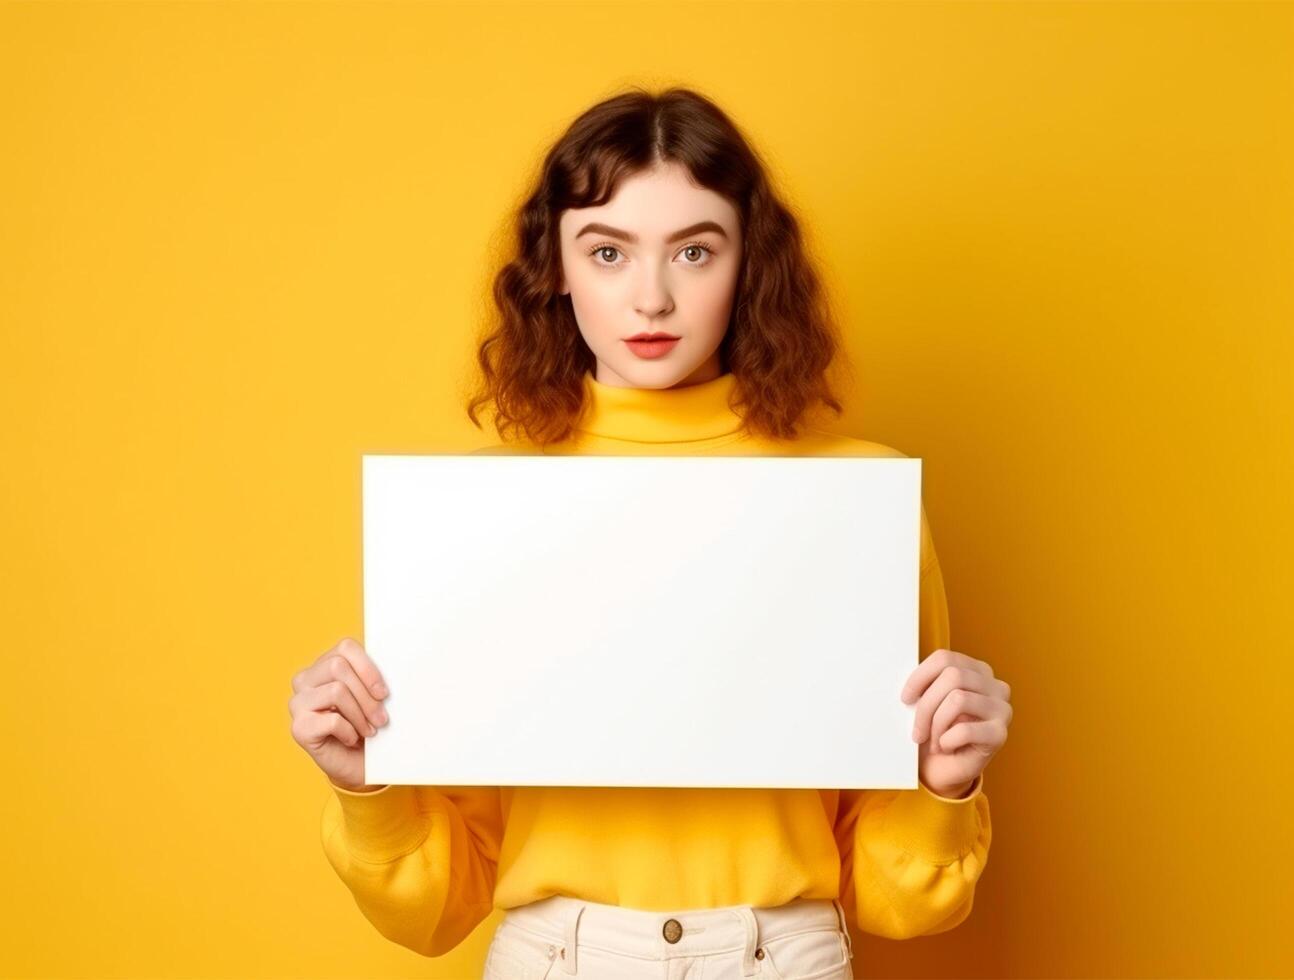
x=819 y=954
x=515 y=954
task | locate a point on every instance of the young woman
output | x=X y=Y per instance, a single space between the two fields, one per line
x=661 y=302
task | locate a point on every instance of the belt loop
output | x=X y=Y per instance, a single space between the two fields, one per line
x=747 y=917
x=844 y=926
x=572 y=939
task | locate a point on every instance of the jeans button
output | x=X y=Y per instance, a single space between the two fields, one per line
x=672 y=931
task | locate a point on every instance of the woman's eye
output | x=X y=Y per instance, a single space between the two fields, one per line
x=694 y=253
x=599 y=252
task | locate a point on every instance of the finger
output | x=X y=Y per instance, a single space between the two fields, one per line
x=343 y=671
x=363 y=665
x=925 y=673
x=988 y=736
x=949 y=679
x=338 y=667
x=360 y=662
x=961 y=702
x=312 y=728
x=933 y=665
x=337 y=696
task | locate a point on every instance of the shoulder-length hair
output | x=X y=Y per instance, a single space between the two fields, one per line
x=781 y=336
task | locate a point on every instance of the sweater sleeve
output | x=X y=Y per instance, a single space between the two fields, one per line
x=910 y=858
x=420 y=861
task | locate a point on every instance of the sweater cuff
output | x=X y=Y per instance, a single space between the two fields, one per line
x=384 y=824
x=937 y=828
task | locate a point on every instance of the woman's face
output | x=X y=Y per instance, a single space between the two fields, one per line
x=639 y=264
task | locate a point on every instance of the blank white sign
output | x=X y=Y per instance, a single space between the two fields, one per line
x=643 y=621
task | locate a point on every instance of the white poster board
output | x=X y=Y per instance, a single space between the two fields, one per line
x=642 y=621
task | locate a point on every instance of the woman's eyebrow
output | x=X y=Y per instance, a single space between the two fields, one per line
x=601 y=229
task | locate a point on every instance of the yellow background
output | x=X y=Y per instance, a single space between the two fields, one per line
x=242 y=244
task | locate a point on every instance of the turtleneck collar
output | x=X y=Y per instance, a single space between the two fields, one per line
x=698 y=411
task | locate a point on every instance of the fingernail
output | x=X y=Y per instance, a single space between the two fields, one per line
x=372 y=731
x=379 y=690
x=382 y=717
x=916 y=736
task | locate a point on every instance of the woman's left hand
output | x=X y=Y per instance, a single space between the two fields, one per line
x=962 y=717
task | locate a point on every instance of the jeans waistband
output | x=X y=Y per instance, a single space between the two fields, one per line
x=572 y=923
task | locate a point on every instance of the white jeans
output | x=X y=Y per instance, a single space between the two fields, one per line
x=560 y=937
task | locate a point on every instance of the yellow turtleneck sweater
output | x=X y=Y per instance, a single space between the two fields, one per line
x=426 y=864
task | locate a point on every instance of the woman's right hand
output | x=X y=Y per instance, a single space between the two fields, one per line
x=335 y=703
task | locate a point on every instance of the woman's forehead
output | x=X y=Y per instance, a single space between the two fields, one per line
x=654 y=208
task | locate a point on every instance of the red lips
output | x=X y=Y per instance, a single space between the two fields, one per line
x=658 y=345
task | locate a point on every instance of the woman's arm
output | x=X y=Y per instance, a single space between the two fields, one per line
x=910 y=858
x=421 y=861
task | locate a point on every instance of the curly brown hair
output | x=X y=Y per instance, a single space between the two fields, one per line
x=781 y=338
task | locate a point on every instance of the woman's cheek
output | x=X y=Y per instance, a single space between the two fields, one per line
x=714 y=310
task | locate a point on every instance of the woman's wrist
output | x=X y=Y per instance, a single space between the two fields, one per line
x=358 y=789
x=957 y=792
